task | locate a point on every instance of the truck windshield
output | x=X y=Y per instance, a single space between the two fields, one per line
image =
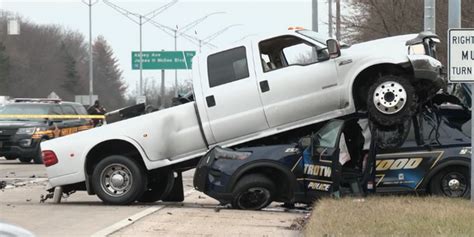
x=314 y=36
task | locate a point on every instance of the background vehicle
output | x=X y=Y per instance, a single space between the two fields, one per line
x=247 y=92
x=20 y=136
x=435 y=158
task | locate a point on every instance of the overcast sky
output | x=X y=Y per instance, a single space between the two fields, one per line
x=123 y=34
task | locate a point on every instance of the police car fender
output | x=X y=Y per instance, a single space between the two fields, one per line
x=241 y=171
x=452 y=161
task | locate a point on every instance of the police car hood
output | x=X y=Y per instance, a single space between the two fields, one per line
x=274 y=152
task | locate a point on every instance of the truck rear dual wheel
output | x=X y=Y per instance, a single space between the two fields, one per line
x=451 y=182
x=119 y=180
x=391 y=100
x=159 y=187
x=253 y=192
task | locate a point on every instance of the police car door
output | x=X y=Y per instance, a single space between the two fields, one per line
x=321 y=169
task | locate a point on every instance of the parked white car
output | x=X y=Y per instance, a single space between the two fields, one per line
x=252 y=90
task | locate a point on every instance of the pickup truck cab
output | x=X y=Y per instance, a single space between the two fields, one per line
x=252 y=90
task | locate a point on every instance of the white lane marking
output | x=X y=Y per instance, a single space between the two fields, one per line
x=126 y=222
x=132 y=219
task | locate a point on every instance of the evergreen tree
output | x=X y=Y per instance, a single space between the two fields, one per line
x=108 y=81
x=72 y=77
x=4 y=70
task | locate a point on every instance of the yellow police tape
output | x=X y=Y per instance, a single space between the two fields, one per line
x=50 y=116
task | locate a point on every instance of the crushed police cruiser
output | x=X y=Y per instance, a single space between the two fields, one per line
x=256 y=89
x=435 y=158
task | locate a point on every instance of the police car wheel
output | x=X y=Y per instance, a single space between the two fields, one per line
x=159 y=186
x=451 y=182
x=38 y=159
x=119 y=180
x=391 y=100
x=25 y=159
x=253 y=192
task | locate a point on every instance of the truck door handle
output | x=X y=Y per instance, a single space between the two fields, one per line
x=264 y=87
x=211 y=102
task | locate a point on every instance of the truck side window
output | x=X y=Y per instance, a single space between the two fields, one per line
x=290 y=50
x=227 y=66
x=302 y=54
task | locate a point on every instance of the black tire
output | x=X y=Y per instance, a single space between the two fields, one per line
x=25 y=159
x=392 y=137
x=390 y=108
x=38 y=159
x=451 y=182
x=159 y=186
x=253 y=192
x=130 y=180
x=10 y=158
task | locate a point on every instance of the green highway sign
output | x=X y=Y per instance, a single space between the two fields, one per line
x=163 y=60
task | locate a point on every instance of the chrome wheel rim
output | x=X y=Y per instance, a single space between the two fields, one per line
x=116 y=180
x=254 y=198
x=390 y=97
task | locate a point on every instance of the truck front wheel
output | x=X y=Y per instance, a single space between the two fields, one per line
x=391 y=100
x=119 y=180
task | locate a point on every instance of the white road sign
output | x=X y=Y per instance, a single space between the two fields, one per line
x=461 y=55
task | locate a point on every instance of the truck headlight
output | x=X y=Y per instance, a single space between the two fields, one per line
x=28 y=131
x=231 y=155
x=417 y=49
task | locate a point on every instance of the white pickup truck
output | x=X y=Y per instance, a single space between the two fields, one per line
x=255 y=89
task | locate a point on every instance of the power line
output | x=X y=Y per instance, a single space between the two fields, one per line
x=140 y=20
x=176 y=32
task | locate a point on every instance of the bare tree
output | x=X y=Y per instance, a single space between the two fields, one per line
x=373 y=19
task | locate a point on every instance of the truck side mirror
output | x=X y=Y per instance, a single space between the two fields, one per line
x=333 y=48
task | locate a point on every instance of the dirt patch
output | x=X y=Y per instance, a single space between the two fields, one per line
x=392 y=216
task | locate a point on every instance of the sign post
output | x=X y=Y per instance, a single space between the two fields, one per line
x=461 y=69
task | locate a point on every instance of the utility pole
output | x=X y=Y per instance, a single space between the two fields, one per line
x=454 y=14
x=430 y=16
x=454 y=22
x=163 y=90
x=91 y=58
x=142 y=19
x=315 y=15
x=330 y=18
x=338 y=19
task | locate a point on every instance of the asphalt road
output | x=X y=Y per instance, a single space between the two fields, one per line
x=80 y=214
x=84 y=215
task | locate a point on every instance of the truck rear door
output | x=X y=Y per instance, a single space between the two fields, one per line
x=230 y=94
